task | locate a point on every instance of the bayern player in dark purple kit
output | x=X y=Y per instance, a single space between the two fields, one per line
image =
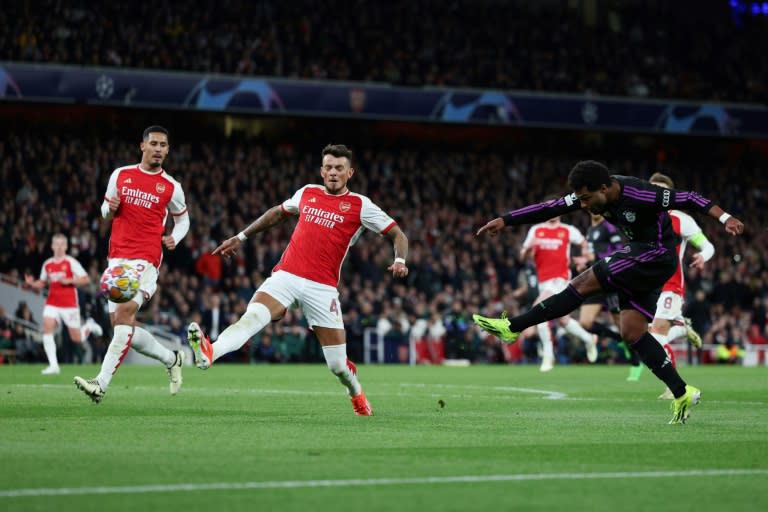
x=636 y=272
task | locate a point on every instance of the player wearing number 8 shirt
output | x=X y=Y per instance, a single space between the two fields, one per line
x=636 y=273
x=330 y=220
x=137 y=201
x=668 y=322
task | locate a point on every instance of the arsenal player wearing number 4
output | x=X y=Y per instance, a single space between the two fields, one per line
x=138 y=200
x=330 y=220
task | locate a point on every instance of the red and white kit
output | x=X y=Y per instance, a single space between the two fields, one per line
x=551 y=244
x=137 y=229
x=670 y=303
x=308 y=270
x=62 y=303
x=145 y=199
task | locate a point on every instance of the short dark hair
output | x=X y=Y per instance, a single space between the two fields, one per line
x=155 y=128
x=338 y=150
x=590 y=174
x=658 y=177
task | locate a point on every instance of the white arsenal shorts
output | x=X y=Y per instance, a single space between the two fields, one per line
x=319 y=302
x=669 y=306
x=70 y=316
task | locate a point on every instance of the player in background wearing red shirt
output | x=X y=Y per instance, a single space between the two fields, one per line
x=138 y=200
x=331 y=218
x=62 y=274
x=668 y=322
x=550 y=245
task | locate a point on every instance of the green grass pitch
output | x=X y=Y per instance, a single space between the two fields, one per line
x=285 y=438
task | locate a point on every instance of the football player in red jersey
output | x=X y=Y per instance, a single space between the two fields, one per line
x=138 y=200
x=330 y=220
x=62 y=274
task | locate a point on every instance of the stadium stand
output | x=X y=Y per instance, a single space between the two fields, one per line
x=635 y=48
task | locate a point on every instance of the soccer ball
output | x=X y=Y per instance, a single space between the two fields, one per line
x=120 y=283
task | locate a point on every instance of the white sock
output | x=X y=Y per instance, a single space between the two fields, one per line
x=574 y=327
x=545 y=335
x=676 y=332
x=49 y=345
x=663 y=339
x=118 y=347
x=336 y=359
x=87 y=351
x=256 y=317
x=144 y=343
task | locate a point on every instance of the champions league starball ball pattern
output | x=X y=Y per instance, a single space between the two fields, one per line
x=120 y=283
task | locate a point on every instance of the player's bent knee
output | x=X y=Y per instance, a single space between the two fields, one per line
x=337 y=366
x=257 y=314
x=121 y=339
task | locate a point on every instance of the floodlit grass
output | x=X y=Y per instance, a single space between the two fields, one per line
x=285 y=438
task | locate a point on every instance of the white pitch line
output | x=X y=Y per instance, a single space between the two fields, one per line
x=552 y=395
x=548 y=394
x=367 y=482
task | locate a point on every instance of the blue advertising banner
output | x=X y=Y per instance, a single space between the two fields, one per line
x=140 y=88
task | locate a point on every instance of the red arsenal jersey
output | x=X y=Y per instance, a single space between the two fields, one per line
x=328 y=225
x=53 y=271
x=551 y=245
x=145 y=199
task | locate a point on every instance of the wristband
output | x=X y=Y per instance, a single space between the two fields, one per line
x=724 y=217
x=241 y=236
x=400 y=260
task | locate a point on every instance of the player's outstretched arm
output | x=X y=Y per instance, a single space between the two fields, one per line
x=270 y=218
x=532 y=214
x=400 y=242
x=732 y=225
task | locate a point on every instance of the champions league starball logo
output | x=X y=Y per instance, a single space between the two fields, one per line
x=222 y=94
x=490 y=107
x=105 y=87
x=705 y=119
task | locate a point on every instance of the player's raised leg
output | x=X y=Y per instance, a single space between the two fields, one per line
x=262 y=309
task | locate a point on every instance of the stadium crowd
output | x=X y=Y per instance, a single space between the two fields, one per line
x=55 y=182
x=642 y=48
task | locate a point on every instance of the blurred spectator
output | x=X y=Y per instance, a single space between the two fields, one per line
x=6 y=334
x=209 y=266
x=213 y=317
x=263 y=350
